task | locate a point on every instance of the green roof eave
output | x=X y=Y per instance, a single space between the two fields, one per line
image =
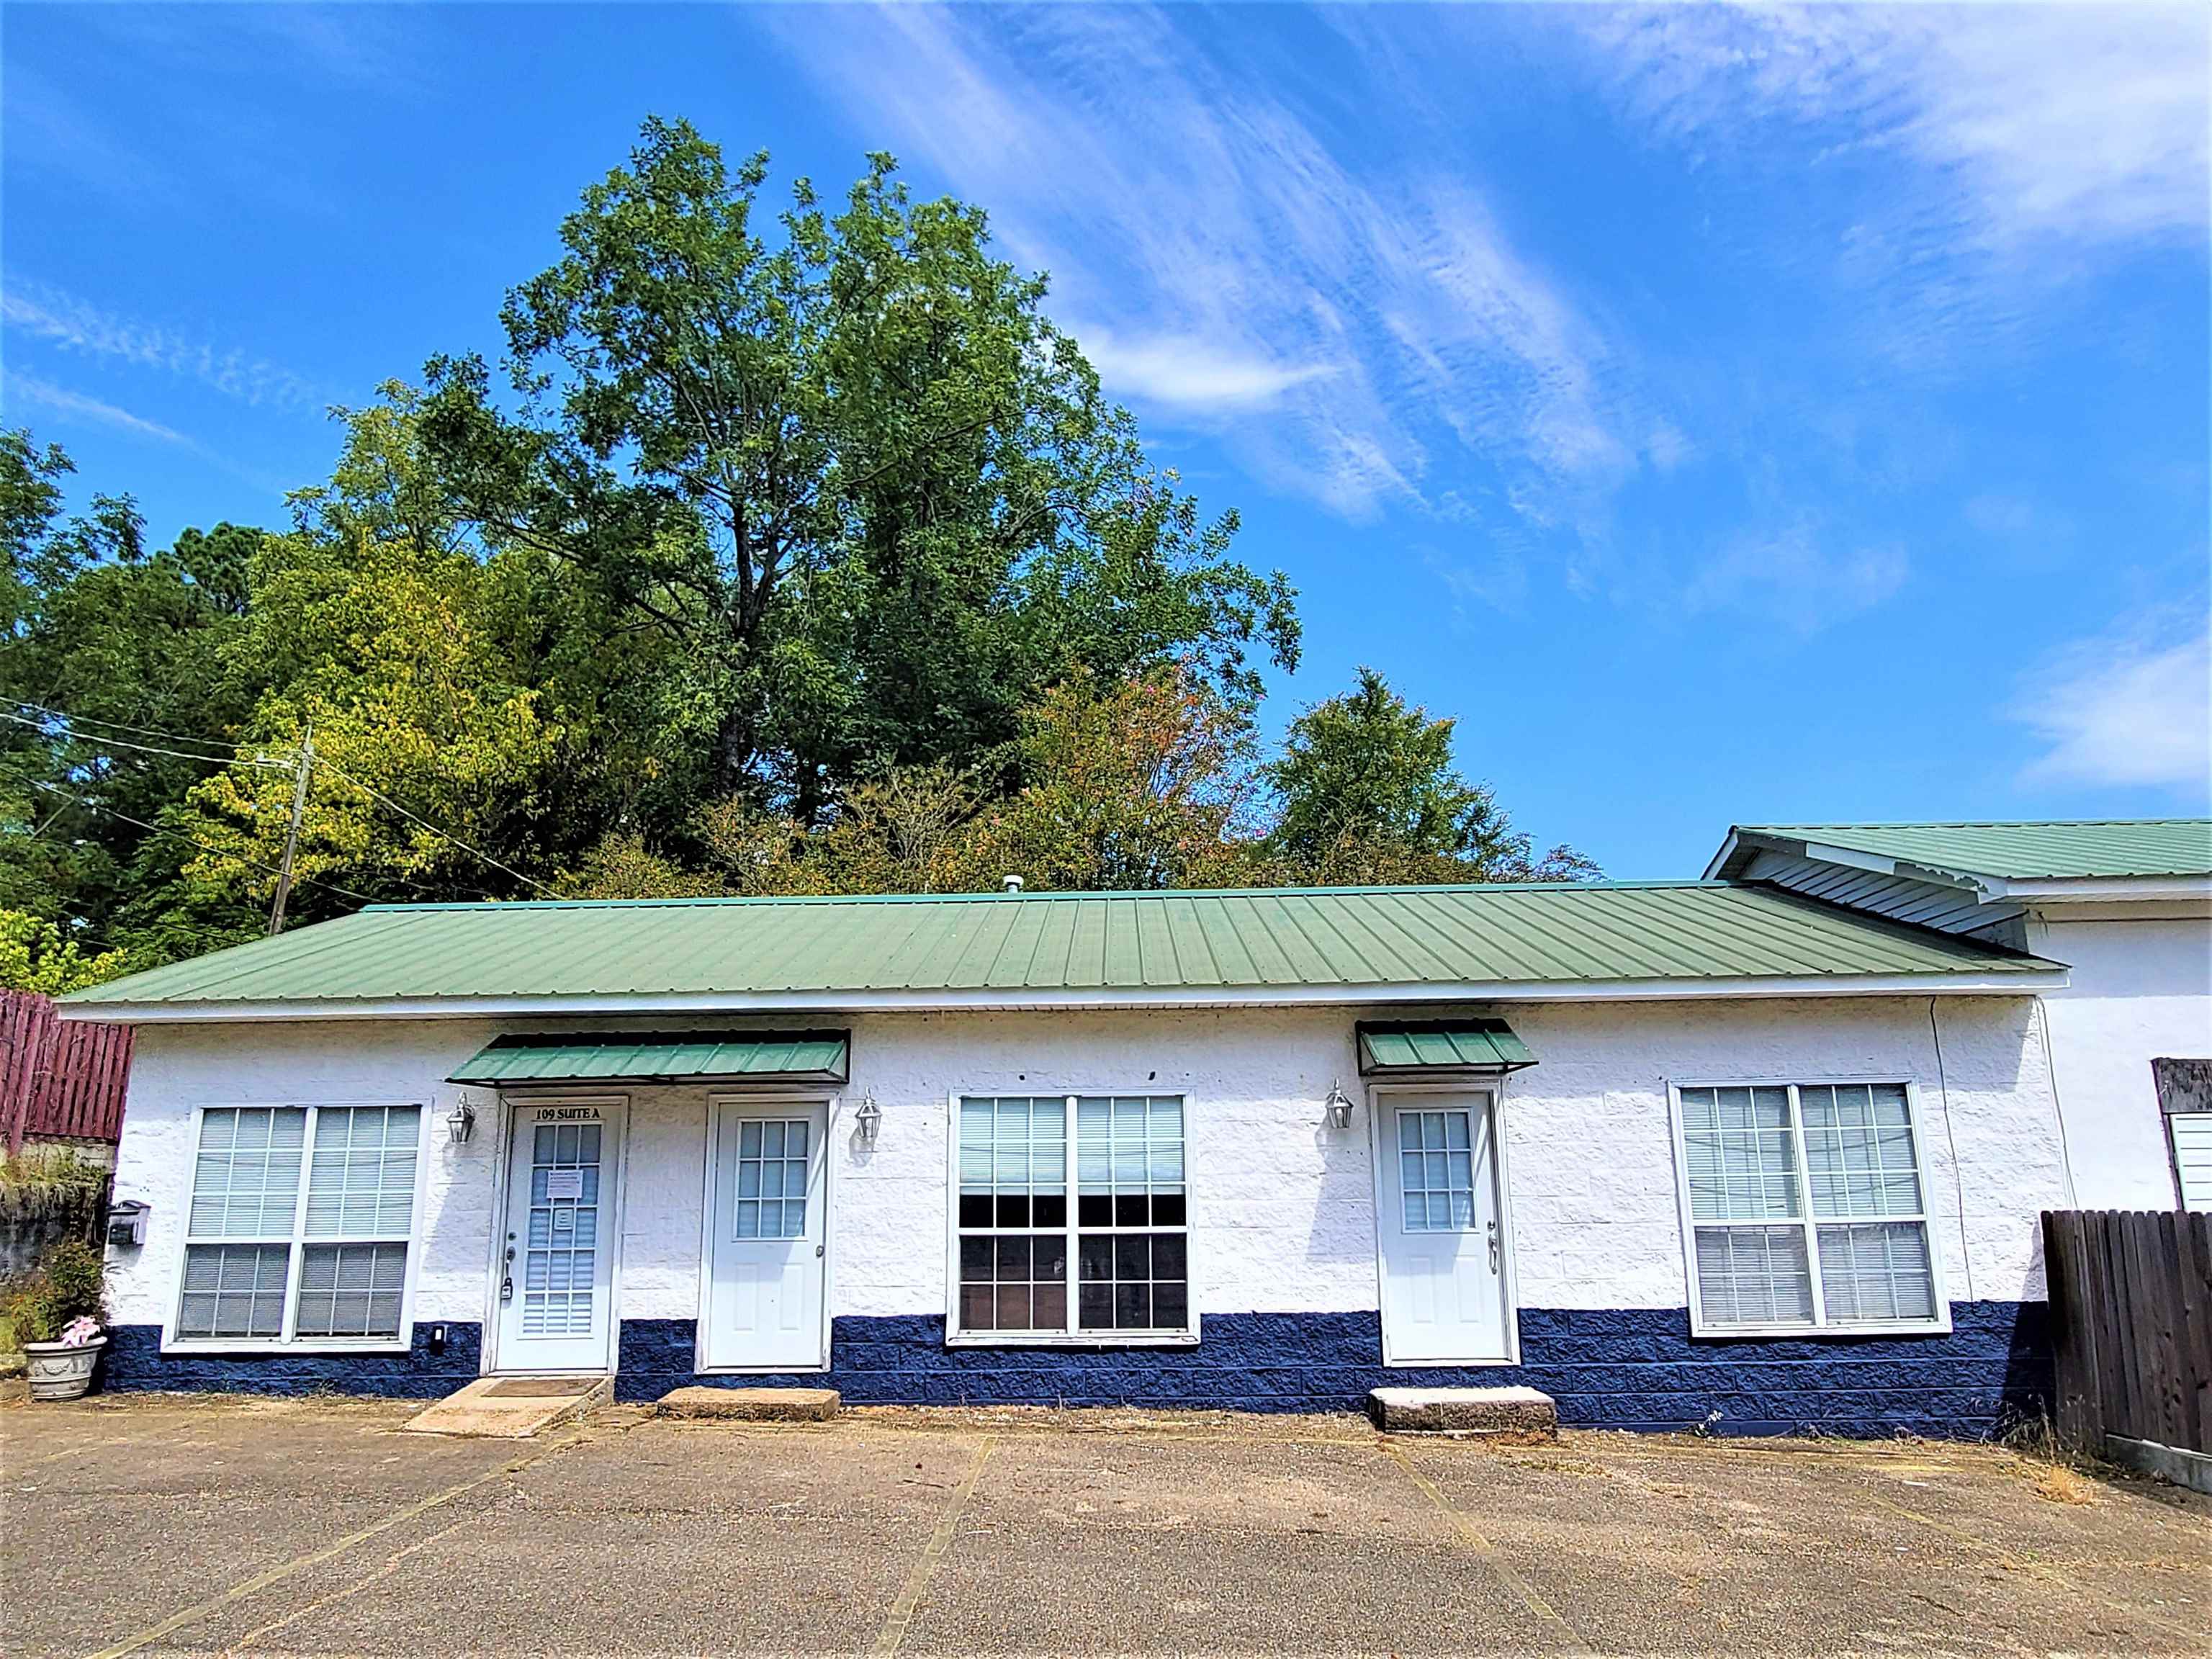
x=658 y=1057
x=1425 y=1047
x=678 y=960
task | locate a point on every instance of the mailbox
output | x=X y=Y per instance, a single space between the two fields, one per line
x=127 y=1224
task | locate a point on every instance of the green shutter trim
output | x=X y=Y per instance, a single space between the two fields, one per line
x=1487 y=1045
x=658 y=1057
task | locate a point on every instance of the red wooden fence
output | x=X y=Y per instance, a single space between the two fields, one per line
x=59 y=1076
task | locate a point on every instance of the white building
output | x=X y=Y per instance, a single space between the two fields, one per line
x=1678 y=1153
x=2126 y=906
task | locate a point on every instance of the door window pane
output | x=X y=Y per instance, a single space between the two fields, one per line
x=1436 y=1170
x=772 y=1162
x=560 y=1255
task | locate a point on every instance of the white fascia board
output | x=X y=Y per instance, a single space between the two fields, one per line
x=2001 y=982
x=2104 y=888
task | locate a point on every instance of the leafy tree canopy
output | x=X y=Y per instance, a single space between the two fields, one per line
x=35 y=956
x=842 y=462
x=1370 y=794
x=787 y=551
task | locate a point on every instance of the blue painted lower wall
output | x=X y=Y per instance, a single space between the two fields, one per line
x=427 y=1370
x=1625 y=1369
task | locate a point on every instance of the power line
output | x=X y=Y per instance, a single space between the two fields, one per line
x=262 y=760
x=204 y=846
x=534 y=886
x=104 y=741
x=122 y=726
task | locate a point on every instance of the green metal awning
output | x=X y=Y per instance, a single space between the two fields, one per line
x=1421 y=1047
x=658 y=1057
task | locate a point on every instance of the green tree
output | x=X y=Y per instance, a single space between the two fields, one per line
x=1141 y=783
x=35 y=956
x=843 y=466
x=1369 y=793
x=119 y=691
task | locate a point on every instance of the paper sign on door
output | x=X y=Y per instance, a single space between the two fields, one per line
x=563 y=1186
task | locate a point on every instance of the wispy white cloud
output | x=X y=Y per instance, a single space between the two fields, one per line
x=30 y=389
x=1341 y=329
x=2087 y=122
x=1793 y=577
x=77 y=325
x=1191 y=373
x=2133 y=707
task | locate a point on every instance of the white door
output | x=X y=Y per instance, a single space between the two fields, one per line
x=1442 y=1248
x=556 y=1265
x=768 y=1238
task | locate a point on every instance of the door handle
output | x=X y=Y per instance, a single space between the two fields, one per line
x=1490 y=1228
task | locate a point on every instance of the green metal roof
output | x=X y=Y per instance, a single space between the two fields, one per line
x=1002 y=947
x=662 y=1055
x=1441 y=1045
x=2118 y=848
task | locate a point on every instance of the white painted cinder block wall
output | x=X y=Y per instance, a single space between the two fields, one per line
x=2137 y=990
x=1282 y=1207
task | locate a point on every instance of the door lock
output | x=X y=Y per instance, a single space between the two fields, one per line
x=817 y=1252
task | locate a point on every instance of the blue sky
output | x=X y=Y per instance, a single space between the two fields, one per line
x=1728 y=415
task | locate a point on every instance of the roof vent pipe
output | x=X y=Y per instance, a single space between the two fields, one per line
x=1010 y=885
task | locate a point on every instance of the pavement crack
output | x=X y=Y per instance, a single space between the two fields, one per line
x=283 y=1570
x=893 y=1634
x=1490 y=1557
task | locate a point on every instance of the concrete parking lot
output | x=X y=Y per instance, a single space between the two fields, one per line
x=166 y=1524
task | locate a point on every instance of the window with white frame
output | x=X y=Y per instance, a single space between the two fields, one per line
x=1112 y=1265
x=1805 y=1206
x=300 y=1224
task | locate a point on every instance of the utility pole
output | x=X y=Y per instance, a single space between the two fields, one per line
x=292 y=832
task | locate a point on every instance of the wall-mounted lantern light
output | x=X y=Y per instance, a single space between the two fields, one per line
x=461 y=1123
x=868 y=1119
x=1339 y=1106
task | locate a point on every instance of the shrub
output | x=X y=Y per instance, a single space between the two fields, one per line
x=68 y=1285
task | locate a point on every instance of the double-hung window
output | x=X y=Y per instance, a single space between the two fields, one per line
x=1805 y=1208
x=1113 y=1265
x=300 y=1225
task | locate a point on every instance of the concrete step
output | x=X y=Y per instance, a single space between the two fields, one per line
x=513 y=1408
x=753 y=1405
x=1516 y=1412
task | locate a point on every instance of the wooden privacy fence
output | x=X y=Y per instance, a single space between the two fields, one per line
x=58 y=1077
x=2131 y=1321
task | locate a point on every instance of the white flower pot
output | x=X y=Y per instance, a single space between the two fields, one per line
x=60 y=1372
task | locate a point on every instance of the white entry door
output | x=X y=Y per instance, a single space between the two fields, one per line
x=768 y=1238
x=1442 y=1244
x=555 y=1266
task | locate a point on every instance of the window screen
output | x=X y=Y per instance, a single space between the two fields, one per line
x=1808 y=1207
x=299 y=1224
x=1116 y=1261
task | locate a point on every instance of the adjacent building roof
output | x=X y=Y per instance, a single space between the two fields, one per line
x=656 y=1056
x=1000 y=950
x=2117 y=849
